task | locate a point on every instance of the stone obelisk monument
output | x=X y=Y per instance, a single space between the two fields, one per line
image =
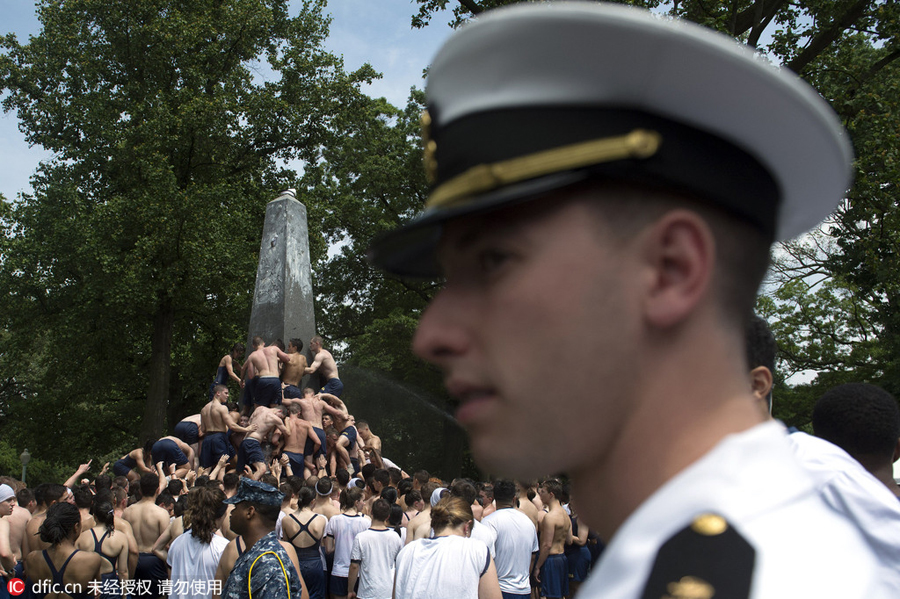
x=283 y=296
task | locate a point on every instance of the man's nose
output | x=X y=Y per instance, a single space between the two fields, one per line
x=443 y=330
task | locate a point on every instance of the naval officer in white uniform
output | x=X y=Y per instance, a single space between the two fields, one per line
x=607 y=185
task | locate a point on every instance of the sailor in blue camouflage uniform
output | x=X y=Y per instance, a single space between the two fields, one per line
x=266 y=563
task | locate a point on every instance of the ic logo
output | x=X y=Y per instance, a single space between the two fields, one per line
x=16 y=586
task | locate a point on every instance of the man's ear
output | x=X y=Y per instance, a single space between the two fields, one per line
x=896 y=455
x=761 y=382
x=679 y=253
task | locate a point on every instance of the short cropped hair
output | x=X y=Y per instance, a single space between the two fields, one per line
x=149 y=484
x=381 y=509
x=422 y=476
x=742 y=249
x=862 y=419
x=552 y=485
x=465 y=490
x=504 y=491
x=298 y=343
x=760 y=344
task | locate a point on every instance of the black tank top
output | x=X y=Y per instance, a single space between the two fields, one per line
x=98 y=548
x=312 y=550
x=58 y=575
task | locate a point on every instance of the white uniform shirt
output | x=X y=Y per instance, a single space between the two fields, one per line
x=192 y=560
x=850 y=489
x=376 y=550
x=517 y=541
x=752 y=479
x=485 y=535
x=343 y=529
x=441 y=568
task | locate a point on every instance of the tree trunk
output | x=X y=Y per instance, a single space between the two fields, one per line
x=154 y=421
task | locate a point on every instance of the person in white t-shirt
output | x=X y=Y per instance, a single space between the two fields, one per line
x=194 y=555
x=517 y=543
x=340 y=532
x=373 y=555
x=449 y=565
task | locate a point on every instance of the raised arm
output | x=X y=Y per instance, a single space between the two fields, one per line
x=73 y=480
x=333 y=405
x=233 y=425
x=286 y=358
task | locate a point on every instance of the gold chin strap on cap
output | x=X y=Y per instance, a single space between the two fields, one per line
x=640 y=143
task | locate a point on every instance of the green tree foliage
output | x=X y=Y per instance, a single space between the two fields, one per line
x=370 y=181
x=129 y=271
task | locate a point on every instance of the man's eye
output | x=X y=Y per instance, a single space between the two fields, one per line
x=490 y=260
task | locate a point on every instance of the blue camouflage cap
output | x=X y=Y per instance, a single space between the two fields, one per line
x=256 y=492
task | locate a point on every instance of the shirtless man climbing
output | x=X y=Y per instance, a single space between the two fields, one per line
x=372 y=443
x=348 y=442
x=191 y=432
x=298 y=434
x=324 y=364
x=264 y=361
x=555 y=531
x=148 y=521
x=293 y=371
x=250 y=453
x=216 y=421
x=311 y=408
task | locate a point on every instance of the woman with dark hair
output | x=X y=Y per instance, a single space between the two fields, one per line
x=195 y=554
x=450 y=565
x=304 y=529
x=103 y=540
x=339 y=535
x=62 y=566
x=395 y=521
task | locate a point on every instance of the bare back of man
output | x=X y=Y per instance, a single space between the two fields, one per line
x=295 y=443
x=266 y=420
x=295 y=368
x=217 y=421
x=311 y=407
x=148 y=521
x=267 y=388
x=555 y=531
x=265 y=360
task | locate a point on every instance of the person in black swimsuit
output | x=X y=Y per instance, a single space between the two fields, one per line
x=79 y=571
x=304 y=530
x=114 y=569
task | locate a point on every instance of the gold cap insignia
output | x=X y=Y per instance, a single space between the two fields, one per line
x=430 y=149
x=689 y=587
x=709 y=525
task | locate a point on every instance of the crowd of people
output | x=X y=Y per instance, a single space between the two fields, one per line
x=329 y=524
x=175 y=516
